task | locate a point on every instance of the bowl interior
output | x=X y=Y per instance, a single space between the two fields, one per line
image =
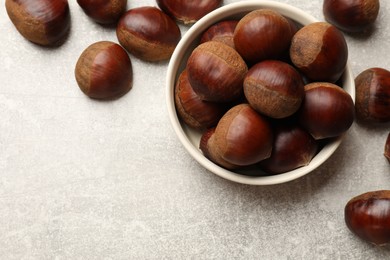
x=190 y=138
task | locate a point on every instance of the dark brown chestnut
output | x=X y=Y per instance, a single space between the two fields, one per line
x=188 y=11
x=148 y=33
x=44 y=22
x=351 y=15
x=262 y=34
x=242 y=137
x=274 y=88
x=104 y=11
x=387 y=148
x=368 y=216
x=216 y=72
x=373 y=95
x=195 y=112
x=320 y=51
x=222 y=31
x=104 y=71
x=293 y=147
x=326 y=111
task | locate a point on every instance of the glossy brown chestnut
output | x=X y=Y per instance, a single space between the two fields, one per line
x=242 y=137
x=320 y=51
x=148 y=33
x=274 y=88
x=368 y=216
x=104 y=11
x=188 y=11
x=44 y=22
x=351 y=15
x=195 y=112
x=207 y=146
x=293 y=148
x=373 y=95
x=326 y=111
x=216 y=72
x=262 y=34
x=222 y=31
x=104 y=71
x=387 y=148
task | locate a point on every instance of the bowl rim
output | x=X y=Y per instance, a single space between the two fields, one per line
x=172 y=73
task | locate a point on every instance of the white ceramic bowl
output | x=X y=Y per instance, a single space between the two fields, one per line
x=190 y=138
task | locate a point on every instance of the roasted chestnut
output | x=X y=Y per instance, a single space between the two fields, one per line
x=274 y=88
x=222 y=31
x=351 y=15
x=148 y=33
x=320 y=51
x=373 y=95
x=262 y=34
x=44 y=22
x=104 y=71
x=103 y=11
x=368 y=216
x=327 y=110
x=216 y=72
x=195 y=112
x=188 y=11
x=293 y=147
x=242 y=137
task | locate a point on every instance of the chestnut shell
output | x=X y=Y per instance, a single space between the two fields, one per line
x=195 y=112
x=216 y=72
x=351 y=15
x=262 y=34
x=326 y=111
x=368 y=216
x=274 y=88
x=373 y=95
x=148 y=33
x=320 y=52
x=222 y=31
x=188 y=11
x=104 y=71
x=44 y=22
x=243 y=137
x=293 y=147
x=103 y=11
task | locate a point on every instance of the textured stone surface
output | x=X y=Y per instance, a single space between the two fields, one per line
x=82 y=179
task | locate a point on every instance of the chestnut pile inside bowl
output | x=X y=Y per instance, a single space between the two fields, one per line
x=261 y=102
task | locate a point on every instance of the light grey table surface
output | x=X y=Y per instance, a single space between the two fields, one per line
x=82 y=179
